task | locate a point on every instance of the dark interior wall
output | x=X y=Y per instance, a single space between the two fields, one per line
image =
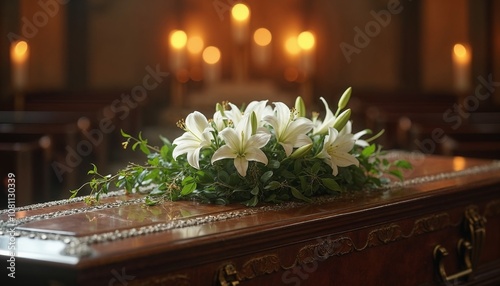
x=382 y=45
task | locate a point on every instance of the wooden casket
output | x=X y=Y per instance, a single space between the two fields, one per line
x=441 y=226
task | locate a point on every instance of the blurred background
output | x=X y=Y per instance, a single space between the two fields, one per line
x=73 y=73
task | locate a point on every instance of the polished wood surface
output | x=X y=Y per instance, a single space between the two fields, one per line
x=366 y=236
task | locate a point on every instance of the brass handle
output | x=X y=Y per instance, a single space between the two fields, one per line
x=468 y=248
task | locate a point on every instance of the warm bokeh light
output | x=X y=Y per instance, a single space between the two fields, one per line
x=291 y=46
x=458 y=163
x=211 y=55
x=240 y=12
x=460 y=50
x=195 y=45
x=21 y=48
x=262 y=37
x=306 y=40
x=19 y=53
x=291 y=74
x=178 y=39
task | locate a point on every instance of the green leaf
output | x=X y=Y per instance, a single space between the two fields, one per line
x=273 y=185
x=273 y=164
x=266 y=176
x=298 y=195
x=144 y=148
x=125 y=135
x=252 y=202
x=403 y=164
x=164 y=152
x=187 y=189
x=151 y=202
x=331 y=184
x=396 y=173
x=255 y=191
x=368 y=150
x=135 y=145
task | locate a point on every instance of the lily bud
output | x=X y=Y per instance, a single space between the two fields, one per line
x=300 y=107
x=342 y=119
x=344 y=99
x=219 y=107
x=253 y=119
x=301 y=152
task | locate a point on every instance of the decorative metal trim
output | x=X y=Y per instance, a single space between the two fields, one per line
x=79 y=246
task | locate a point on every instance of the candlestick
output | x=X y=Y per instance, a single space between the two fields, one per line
x=240 y=17
x=211 y=64
x=461 y=57
x=261 y=46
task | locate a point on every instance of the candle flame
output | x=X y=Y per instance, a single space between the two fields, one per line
x=292 y=46
x=195 y=45
x=240 y=12
x=21 y=48
x=211 y=55
x=306 y=40
x=178 y=39
x=19 y=51
x=262 y=37
x=460 y=50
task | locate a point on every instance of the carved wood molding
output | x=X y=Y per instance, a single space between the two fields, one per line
x=342 y=245
x=161 y=280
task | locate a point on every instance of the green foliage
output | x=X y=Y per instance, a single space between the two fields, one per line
x=299 y=177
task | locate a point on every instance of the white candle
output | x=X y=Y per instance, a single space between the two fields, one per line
x=306 y=43
x=211 y=64
x=195 y=46
x=177 y=57
x=292 y=49
x=19 y=54
x=240 y=18
x=261 y=48
x=461 y=57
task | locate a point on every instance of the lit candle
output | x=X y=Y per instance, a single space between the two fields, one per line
x=19 y=54
x=178 y=40
x=195 y=46
x=292 y=48
x=306 y=43
x=211 y=64
x=461 y=57
x=262 y=46
x=240 y=17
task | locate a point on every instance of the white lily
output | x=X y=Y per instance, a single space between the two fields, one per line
x=336 y=148
x=348 y=129
x=242 y=145
x=321 y=127
x=197 y=136
x=290 y=132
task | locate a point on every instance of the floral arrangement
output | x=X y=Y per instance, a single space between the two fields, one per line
x=260 y=153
